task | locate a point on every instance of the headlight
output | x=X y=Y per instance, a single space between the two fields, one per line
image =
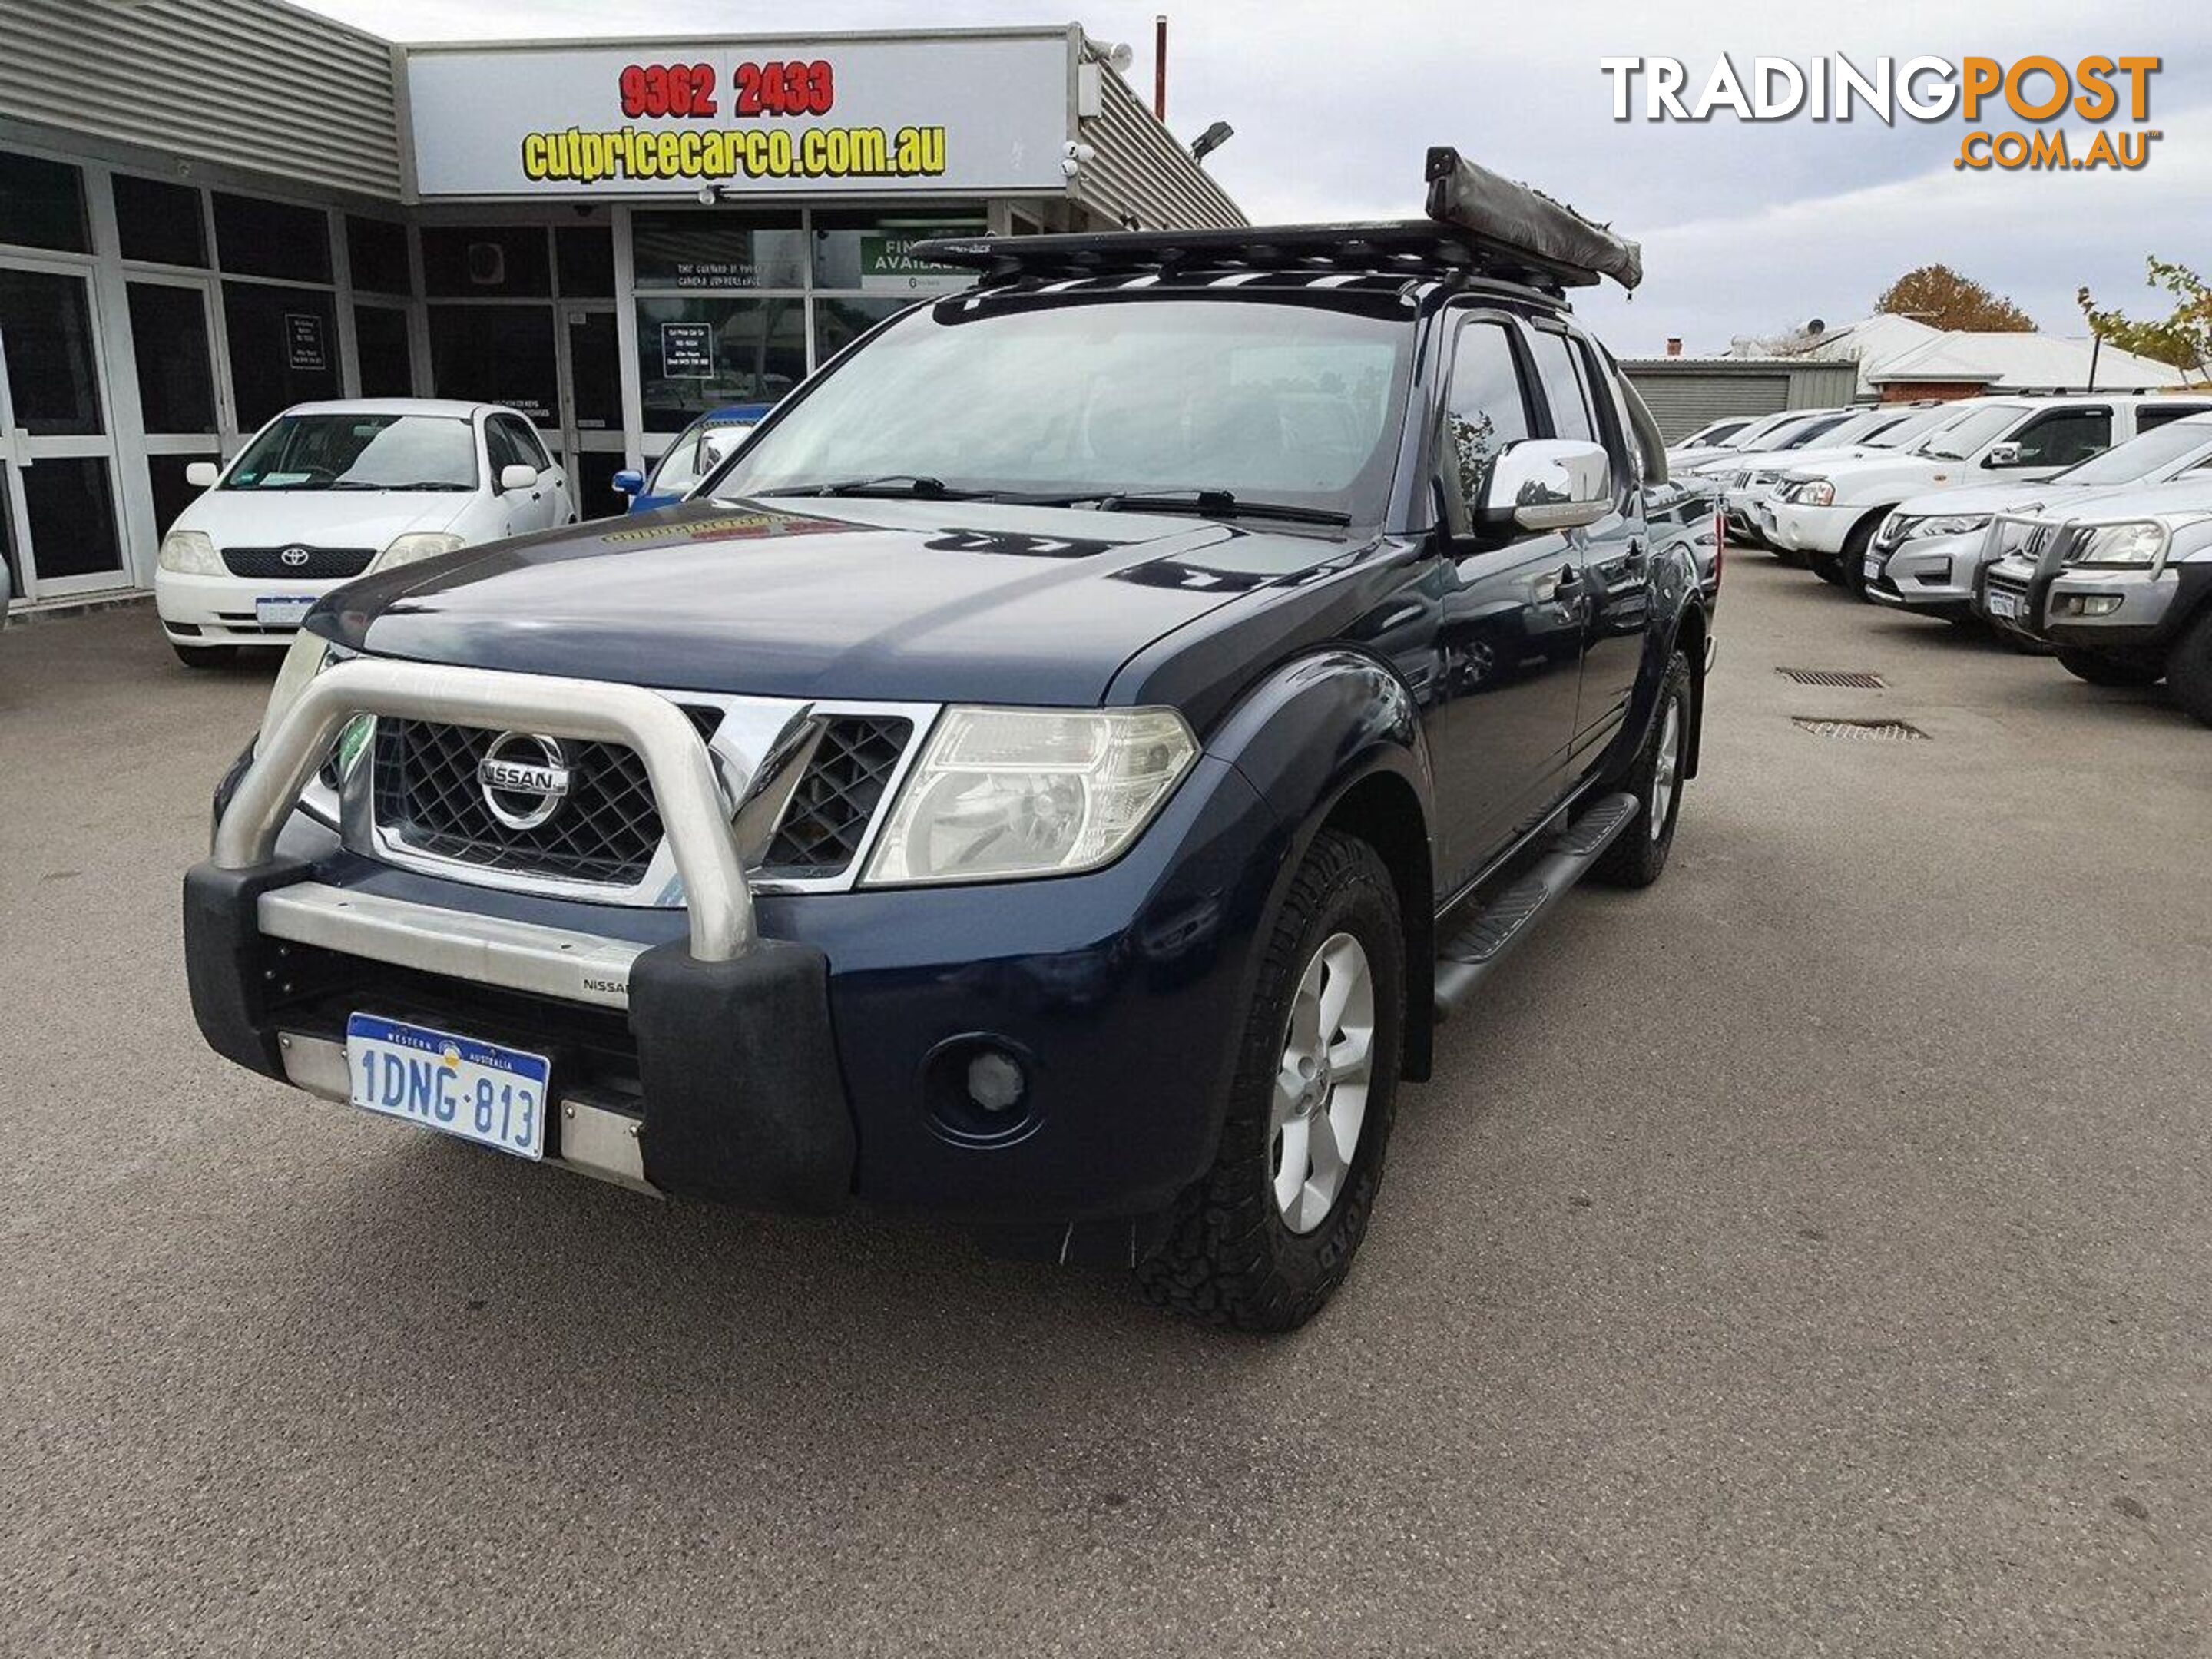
x=1814 y=492
x=421 y=544
x=1951 y=524
x=190 y=553
x=2132 y=546
x=309 y=655
x=1003 y=792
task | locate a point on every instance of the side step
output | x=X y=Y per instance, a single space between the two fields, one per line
x=1493 y=928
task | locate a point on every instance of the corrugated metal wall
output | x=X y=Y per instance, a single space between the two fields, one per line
x=245 y=83
x=1142 y=170
x=1685 y=394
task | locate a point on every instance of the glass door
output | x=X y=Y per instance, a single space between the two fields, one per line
x=58 y=454
x=186 y=408
x=591 y=437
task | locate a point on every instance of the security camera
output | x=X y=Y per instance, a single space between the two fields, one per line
x=1121 y=56
x=1073 y=154
x=709 y=194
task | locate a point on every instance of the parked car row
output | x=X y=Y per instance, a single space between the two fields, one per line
x=2081 y=523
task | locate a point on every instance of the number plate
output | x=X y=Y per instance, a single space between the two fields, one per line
x=2003 y=605
x=1874 y=570
x=284 y=612
x=477 y=1091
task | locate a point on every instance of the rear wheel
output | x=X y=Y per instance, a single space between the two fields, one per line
x=2108 y=670
x=2189 y=669
x=1638 y=854
x=205 y=656
x=1263 y=1239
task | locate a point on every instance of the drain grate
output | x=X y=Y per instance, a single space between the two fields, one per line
x=1891 y=730
x=1845 y=679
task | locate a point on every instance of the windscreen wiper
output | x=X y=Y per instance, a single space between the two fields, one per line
x=1215 y=504
x=918 y=485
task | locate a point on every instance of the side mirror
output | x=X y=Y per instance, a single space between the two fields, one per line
x=515 y=476
x=2001 y=455
x=630 y=483
x=202 y=475
x=1547 y=484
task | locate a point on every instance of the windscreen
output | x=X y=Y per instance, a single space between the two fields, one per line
x=2141 y=457
x=1274 y=400
x=1965 y=436
x=1914 y=426
x=358 y=451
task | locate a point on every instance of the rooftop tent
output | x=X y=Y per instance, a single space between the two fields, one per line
x=1519 y=219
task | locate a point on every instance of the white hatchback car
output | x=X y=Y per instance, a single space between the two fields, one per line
x=326 y=492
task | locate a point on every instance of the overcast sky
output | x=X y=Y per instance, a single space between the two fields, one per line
x=1746 y=227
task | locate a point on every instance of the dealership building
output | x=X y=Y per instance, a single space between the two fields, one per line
x=211 y=209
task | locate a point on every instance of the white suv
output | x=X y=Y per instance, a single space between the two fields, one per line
x=1829 y=514
x=326 y=492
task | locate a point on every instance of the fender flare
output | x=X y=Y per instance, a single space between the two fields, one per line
x=1336 y=736
x=1679 y=606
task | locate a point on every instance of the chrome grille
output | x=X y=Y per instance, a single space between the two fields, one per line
x=319 y=564
x=822 y=828
x=606 y=831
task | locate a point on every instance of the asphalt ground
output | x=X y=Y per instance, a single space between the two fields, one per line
x=1809 y=1255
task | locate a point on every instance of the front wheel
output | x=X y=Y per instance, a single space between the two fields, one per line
x=1261 y=1240
x=2109 y=670
x=1638 y=854
x=1852 y=572
x=2189 y=669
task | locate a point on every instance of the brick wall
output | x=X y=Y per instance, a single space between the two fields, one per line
x=1911 y=391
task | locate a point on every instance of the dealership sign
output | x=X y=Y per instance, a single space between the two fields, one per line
x=753 y=117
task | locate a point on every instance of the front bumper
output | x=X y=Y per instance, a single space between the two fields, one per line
x=1801 y=528
x=821 y=1055
x=1934 y=574
x=2134 y=613
x=226 y=609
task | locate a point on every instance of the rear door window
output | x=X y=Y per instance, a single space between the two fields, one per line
x=1563 y=387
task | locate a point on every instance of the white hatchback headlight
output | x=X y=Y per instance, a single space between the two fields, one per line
x=1007 y=793
x=417 y=546
x=190 y=553
x=2132 y=546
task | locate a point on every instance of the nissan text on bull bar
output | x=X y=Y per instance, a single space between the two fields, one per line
x=1055 y=777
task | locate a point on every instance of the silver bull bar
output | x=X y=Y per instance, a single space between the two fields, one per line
x=693 y=810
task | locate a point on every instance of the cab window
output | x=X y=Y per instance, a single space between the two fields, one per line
x=2063 y=436
x=1563 y=387
x=1486 y=407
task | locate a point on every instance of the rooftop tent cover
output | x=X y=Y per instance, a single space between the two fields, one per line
x=1519 y=217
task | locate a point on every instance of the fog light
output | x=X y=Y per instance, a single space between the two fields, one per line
x=995 y=1082
x=2087 y=604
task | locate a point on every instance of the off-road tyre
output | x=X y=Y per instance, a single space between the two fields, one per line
x=2109 y=670
x=2189 y=669
x=1638 y=857
x=1230 y=1258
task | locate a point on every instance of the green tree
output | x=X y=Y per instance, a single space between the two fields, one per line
x=1940 y=297
x=2184 y=339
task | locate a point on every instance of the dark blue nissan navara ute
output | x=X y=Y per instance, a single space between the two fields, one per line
x=1055 y=777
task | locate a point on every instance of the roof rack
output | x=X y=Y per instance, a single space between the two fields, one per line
x=1479 y=224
